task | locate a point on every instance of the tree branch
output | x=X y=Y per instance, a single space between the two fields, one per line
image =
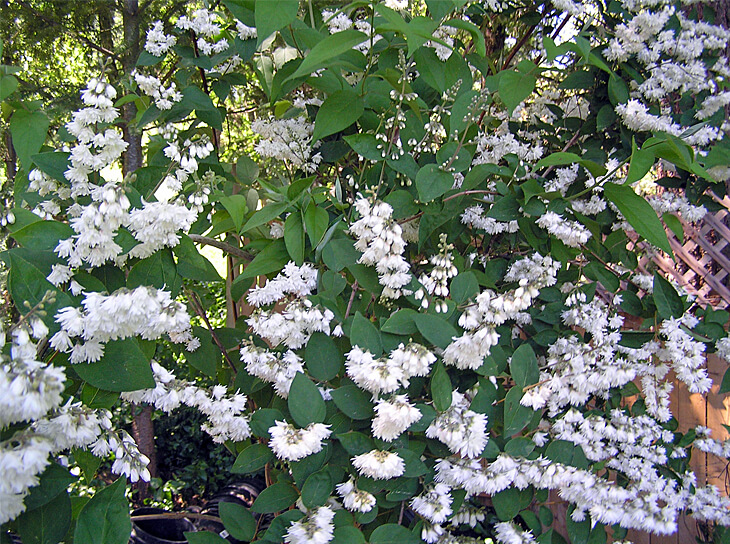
x=228 y=248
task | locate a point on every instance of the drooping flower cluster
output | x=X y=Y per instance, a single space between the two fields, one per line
x=164 y=97
x=224 y=412
x=353 y=498
x=315 y=528
x=206 y=30
x=386 y=375
x=434 y=504
x=437 y=281
x=287 y=140
x=393 y=417
x=144 y=311
x=380 y=240
x=491 y=310
x=292 y=444
x=272 y=367
x=461 y=429
x=158 y=43
x=379 y=464
x=298 y=281
x=571 y=233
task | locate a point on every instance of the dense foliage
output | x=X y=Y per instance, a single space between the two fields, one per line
x=445 y=210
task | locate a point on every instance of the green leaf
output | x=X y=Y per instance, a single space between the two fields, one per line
x=270 y=211
x=516 y=416
x=507 y=503
x=123 y=367
x=294 y=237
x=326 y=50
x=523 y=366
x=463 y=287
x=432 y=182
x=280 y=525
x=246 y=169
x=476 y=34
x=275 y=498
x=8 y=85
x=339 y=111
x=316 y=220
x=305 y=402
x=53 y=163
x=204 y=537
x=238 y=520
x=29 y=132
x=435 y=329
x=43 y=235
x=53 y=481
x=641 y=162
x=252 y=459
x=353 y=402
x=317 y=489
x=365 y=335
x=236 y=207
x=47 y=524
x=414 y=466
x=356 y=443
x=519 y=447
x=390 y=533
x=347 y=534
x=506 y=208
x=640 y=215
x=105 y=518
x=270 y=259
x=514 y=87
x=263 y=419
x=157 y=271
x=365 y=145
x=339 y=253
x=191 y=264
x=207 y=356
x=441 y=388
x=618 y=91
x=675 y=225
x=668 y=303
x=322 y=358
x=401 y=322
x=294 y=191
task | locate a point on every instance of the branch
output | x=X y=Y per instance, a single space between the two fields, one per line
x=228 y=248
x=198 y=307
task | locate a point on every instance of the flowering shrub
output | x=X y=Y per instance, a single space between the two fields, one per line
x=449 y=227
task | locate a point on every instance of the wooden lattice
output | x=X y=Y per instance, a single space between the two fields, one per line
x=702 y=264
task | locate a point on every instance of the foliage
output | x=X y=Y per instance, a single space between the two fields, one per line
x=449 y=234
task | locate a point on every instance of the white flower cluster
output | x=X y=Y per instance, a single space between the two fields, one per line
x=571 y=233
x=685 y=354
x=387 y=374
x=509 y=533
x=393 y=417
x=156 y=226
x=380 y=240
x=461 y=429
x=224 y=412
x=379 y=464
x=298 y=281
x=475 y=218
x=292 y=444
x=668 y=202
x=186 y=156
x=338 y=21
x=144 y=311
x=272 y=368
x=164 y=97
x=96 y=147
x=437 y=281
x=294 y=325
x=491 y=310
x=315 y=528
x=353 y=498
x=492 y=147
x=434 y=504
x=443 y=42
x=202 y=23
x=287 y=140
x=651 y=504
x=158 y=43
x=31 y=393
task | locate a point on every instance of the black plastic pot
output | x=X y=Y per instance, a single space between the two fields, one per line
x=159 y=531
x=242 y=492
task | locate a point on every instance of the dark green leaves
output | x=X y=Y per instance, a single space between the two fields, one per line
x=47 y=524
x=305 y=402
x=463 y=287
x=294 y=237
x=523 y=366
x=326 y=50
x=668 y=302
x=322 y=358
x=252 y=459
x=191 y=264
x=105 y=518
x=122 y=368
x=53 y=481
x=275 y=498
x=432 y=182
x=514 y=87
x=365 y=335
x=435 y=329
x=237 y=520
x=640 y=215
x=339 y=111
x=353 y=402
x=390 y=533
x=272 y=16
x=317 y=489
x=441 y=388
x=516 y=416
x=29 y=132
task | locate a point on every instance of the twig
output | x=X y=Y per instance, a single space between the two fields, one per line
x=352 y=298
x=198 y=307
x=228 y=248
x=565 y=148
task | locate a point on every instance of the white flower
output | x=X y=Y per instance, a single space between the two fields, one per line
x=354 y=499
x=316 y=528
x=292 y=444
x=379 y=464
x=393 y=417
